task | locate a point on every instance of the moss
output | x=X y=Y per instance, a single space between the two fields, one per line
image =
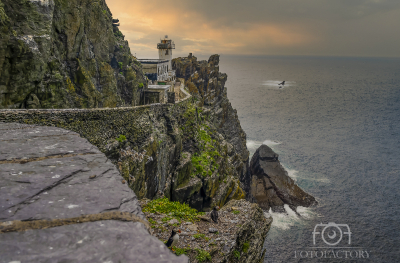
x=174 y=209
x=246 y=247
x=236 y=254
x=202 y=255
x=180 y=251
x=121 y=138
x=3 y=16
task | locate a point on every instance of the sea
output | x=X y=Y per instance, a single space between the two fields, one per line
x=336 y=127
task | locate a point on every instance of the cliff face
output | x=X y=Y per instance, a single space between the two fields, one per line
x=64 y=54
x=207 y=84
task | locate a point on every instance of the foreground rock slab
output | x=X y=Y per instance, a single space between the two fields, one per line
x=49 y=174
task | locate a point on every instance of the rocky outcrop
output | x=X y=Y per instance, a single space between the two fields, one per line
x=61 y=199
x=239 y=235
x=270 y=184
x=207 y=85
x=64 y=54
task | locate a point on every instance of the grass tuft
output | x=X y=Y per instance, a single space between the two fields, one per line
x=172 y=209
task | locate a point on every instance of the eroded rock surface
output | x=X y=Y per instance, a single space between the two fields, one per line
x=270 y=184
x=65 y=54
x=49 y=173
x=241 y=230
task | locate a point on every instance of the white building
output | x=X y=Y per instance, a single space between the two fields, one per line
x=160 y=69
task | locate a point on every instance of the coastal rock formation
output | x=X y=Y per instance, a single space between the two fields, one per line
x=64 y=54
x=193 y=151
x=239 y=235
x=207 y=84
x=61 y=199
x=270 y=184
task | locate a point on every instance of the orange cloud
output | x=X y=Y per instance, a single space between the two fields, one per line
x=144 y=22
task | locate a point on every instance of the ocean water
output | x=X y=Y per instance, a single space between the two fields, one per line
x=336 y=126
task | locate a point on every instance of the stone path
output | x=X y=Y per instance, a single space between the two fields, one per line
x=49 y=174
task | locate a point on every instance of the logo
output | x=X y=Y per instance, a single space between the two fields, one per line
x=333 y=232
x=332 y=241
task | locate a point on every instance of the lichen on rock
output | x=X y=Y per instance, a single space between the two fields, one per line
x=66 y=54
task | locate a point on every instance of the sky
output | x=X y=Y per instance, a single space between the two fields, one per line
x=367 y=28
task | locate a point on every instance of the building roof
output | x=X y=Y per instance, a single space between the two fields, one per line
x=159 y=87
x=152 y=61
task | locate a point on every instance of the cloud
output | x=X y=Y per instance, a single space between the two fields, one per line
x=279 y=27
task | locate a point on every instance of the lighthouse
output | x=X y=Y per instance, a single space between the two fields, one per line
x=165 y=48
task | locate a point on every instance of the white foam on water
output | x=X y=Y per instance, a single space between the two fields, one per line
x=271 y=143
x=292 y=173
x=306 y=212
x=285 y=221
x=253 y=144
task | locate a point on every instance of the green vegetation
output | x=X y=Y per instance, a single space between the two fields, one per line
x=205 y=161
x=141 y=85
x=121 y=138
x=245 y=247
x=202 y=255
x=3 y=16
x=236 y=212
x=197 y=236
x=173 y=210
x=120 y=65
x=104 y=11
x=180 y=251
x=236 y=254
x=118 y=34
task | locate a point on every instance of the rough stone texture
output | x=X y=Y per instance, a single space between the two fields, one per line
x=250 y=237
x=243 y=231
x=101 y=241
x=64 y=54
x=48 y=173
x=271 y=186
x=161 y=141
x=204 y=81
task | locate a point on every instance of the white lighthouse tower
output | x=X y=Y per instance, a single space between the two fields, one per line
x=165 y=48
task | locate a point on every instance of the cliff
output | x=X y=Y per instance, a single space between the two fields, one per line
x=192 y=152
x=64 y=54
x=206 y=83
x=65 y=64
